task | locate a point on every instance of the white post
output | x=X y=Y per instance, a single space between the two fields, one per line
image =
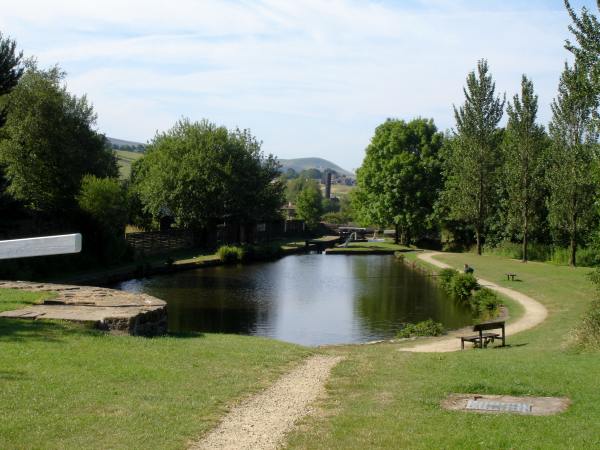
x=40 y=246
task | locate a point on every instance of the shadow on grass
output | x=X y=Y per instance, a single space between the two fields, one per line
x=21 y=330
x=184 y=334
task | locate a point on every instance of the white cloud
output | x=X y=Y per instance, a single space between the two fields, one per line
x=288 y=66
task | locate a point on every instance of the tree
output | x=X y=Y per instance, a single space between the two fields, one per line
x=104 y=200
x=573 y=156
x=309 y=205
x=11 y=68
x=399 y=179
x=586 y=30
x=200 y=174
x=472 y=164
x=296 y=185
x=524 y=162
x=49 y=142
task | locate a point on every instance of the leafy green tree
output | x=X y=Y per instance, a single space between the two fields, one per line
x=49 y=142
x=11 y=68
x=524 y=162
x=309 y=205
x=200 y=174
x=399 y=179
x=573 y=157
x=471 y=166
x=586 y=48
x=294 y=186
x=104 y=200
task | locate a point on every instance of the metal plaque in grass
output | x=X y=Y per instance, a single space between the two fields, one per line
x=487 y=405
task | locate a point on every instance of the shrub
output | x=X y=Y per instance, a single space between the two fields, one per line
x=425 y=328
x=446 y=276
x=230 y=254
x=587 y=334
x=485 y=303
x=462 y=286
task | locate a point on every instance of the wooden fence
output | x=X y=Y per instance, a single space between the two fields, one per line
x=155 y=242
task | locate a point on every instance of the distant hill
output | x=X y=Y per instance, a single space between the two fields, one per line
x=300 y=164
x=121 y=144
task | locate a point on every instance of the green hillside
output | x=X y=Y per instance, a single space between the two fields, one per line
x=125 y=159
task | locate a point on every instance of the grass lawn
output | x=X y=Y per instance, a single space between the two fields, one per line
x=65 y=386
x=383 y=398
x=368 y=247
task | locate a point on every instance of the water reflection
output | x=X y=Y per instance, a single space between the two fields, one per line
x=307 y=299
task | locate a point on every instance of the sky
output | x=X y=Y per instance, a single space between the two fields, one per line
x=307 y=77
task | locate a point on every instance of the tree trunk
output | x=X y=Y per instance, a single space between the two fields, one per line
x=573 y=247
x=478 y=236
x=525 y=232
x=396 y=234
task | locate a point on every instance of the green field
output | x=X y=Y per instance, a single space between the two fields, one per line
x=125 y=159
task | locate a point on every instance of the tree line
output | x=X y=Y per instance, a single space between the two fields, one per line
x=59 y=174
x=484 y=184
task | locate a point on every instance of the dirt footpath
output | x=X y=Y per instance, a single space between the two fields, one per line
x=262 y=421
x=535 y=313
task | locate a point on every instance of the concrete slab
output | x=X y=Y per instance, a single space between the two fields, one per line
x=506 y=404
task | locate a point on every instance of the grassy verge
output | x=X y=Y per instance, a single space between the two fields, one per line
x=380 y=397
x=65 y=386
x=368 y=248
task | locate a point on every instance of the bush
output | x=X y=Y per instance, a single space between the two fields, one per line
x=446 y=276
x=587 y=334
x=462 y=286
x=425 y=328
x=230 y=254
x=485 y=303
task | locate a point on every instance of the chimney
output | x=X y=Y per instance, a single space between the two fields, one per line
x=328 y=186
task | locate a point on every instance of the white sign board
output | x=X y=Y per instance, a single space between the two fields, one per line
x=40 y=246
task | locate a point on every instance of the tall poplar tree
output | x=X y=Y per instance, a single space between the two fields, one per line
x=472 y=164
x=524 y=161
x=586 y=48
x=573 y=156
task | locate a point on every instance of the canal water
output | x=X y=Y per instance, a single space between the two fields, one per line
x=309 y=299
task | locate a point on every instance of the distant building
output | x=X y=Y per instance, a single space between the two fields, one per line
x=289 y=211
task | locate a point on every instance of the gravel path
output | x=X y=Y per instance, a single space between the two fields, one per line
x=262 y=421
x=535 y=313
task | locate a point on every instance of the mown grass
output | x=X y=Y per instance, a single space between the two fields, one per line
x=65 y=386
x=11 y=299
x=368 y=247
x=380 y=397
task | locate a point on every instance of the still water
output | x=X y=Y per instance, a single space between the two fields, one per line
x=307 y=299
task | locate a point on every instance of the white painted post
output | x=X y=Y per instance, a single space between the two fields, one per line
x=40 y=246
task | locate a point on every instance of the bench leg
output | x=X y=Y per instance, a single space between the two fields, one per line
x=462 y=344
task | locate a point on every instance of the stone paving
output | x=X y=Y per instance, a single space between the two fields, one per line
x=107 y=309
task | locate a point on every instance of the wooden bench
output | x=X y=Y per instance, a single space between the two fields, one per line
x=511 y=276
x=482 y=339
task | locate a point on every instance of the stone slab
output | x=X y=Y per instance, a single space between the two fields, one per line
x=506 y=404
x=107 y=309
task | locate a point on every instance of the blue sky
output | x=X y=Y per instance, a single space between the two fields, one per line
x=309 y=78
